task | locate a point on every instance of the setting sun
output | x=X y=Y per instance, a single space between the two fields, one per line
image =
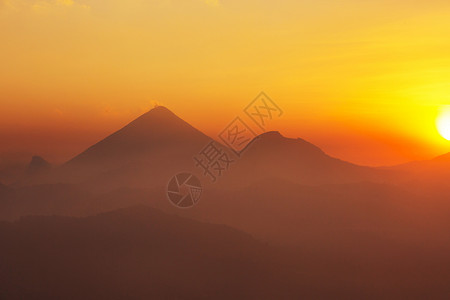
x=443 y=123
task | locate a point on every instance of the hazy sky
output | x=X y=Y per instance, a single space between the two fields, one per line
x=364 y=80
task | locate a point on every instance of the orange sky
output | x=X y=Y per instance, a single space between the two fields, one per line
x=364 y=80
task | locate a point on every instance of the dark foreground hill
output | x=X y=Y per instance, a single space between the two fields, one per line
x=142 y=253
x=136 y=253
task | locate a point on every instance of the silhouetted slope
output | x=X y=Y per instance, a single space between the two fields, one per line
x=146 y=152
x=283 y=212
x=443 y=158
x=46 y=199
x=37 y=166
x=428 y=177
x=439 y=162
x=141 y=253
x=152 y=134
x=11 y=170
x=136 y=253
x=272 y=155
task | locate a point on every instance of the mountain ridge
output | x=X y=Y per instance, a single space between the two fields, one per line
x=158 y=144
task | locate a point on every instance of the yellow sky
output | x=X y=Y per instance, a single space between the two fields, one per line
x=364 y=80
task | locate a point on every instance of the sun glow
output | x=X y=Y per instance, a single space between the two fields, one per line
x=443 y=122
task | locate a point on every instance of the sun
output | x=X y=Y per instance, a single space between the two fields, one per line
x=443 y=122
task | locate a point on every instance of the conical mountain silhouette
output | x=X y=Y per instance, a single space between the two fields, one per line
x=147 y=151
x=158 y=131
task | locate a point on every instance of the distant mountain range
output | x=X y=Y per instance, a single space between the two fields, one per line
x=159 y=144
x=346 y=231
x=147 y=152
x=151 y=149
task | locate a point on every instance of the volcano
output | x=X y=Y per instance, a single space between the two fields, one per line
x=146 y=152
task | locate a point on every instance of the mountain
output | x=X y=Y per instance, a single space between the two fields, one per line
x=272 y=155
x=353 y=231
x=324 y=216
x=439 y=162
x=138 y=253
x=428 y=177
x=45 y=199
x=146 y=152
x=37 y=166
x=12 y=169
x=157 y=145
x=443 y=158
x=156 y=133
x=142 y=253
x=276 y=211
